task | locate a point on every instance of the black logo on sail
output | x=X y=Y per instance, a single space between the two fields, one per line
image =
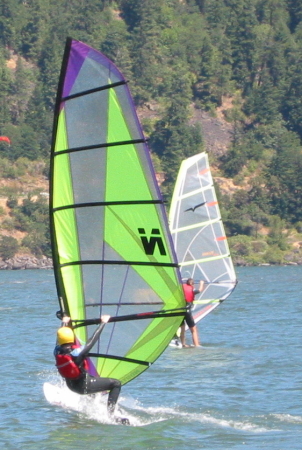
x=150 y=244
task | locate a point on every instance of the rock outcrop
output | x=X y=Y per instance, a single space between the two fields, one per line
x=26 y=262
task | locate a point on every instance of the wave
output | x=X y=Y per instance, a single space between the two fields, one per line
x=288 y=418
x=95 y=408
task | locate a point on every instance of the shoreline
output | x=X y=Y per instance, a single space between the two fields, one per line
x=32 y=262
x=26 y=262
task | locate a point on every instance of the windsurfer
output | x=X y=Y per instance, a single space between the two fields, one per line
x=190 y=293
x=72 y=364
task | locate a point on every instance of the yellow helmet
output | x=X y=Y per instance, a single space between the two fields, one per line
x=65 y=336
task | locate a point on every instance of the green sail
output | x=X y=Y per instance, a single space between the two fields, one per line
x=112 y=249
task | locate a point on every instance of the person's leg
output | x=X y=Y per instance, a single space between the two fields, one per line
x=183 y=335
x=113 y=395
x=195 y=336
x=94 y=385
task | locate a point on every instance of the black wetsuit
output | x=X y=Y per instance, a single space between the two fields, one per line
x=189 y=319
x=86 y=383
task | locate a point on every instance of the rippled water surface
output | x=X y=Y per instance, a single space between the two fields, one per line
x=241 y=390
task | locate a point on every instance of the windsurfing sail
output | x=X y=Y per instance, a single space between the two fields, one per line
x=199 y=237
x=112 y=248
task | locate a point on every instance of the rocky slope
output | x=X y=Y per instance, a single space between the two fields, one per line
x=217 y=133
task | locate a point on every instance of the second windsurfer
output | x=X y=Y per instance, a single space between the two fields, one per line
x=190 y=293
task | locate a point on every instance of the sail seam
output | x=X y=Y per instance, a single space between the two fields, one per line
x=145 y=315
x=197 y=225
x=124 y=304
x=128 y=263
x=212 y=258
x=207 y=301
x=124 y=202
x=102 y=145
x=120 y=358
x=196 y=191
x=92 y=91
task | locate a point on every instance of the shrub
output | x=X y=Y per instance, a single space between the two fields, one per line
x=240 y=245
x=8 y=247
x=259 y=246
x=12 y=202
x=274 y=255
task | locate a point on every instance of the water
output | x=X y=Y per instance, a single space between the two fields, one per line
x=241 y=390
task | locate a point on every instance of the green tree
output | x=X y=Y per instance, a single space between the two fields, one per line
x=147 y=51
x=203 y=86
x=240 y=30
x=116 y=47
x=35 y=27
x=295 y=12
x=38 y=240
x=284 y=179
x=8 y=247
x=6 y=83
x=21 y=89
x=217 y=14
x=7 y=31
x=49 y=66
x=39 y=119
x=173 y=139
x=291 y=105
x=277 y=235
x=263 y=102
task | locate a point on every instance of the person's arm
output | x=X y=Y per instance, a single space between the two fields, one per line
x=65 y=321
x=201 y=285
x=90 y=343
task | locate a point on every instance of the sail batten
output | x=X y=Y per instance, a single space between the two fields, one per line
x=127 y=263
x=125 y=202
x=199 y=237
x=203 y=260
x=194 y=192
x=101 y=145
x=123 y=304
x=134 y=361
x=92 y=91
x=112 y=249
x=195 y=225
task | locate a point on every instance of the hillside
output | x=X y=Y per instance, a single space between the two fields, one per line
x=217 y=76
x=217 y=132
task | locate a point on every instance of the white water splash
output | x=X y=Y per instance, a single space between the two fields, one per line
x=95 y=408
x=288 y=418
x=236 y=424
x=158 y=414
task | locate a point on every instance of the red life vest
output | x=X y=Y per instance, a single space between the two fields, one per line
x=189 y=293
x=67 y=367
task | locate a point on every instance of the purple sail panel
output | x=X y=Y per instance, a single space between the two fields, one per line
x=78 y=53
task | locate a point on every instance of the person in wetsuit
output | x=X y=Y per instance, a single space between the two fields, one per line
x=190 y=293
x=72 y=364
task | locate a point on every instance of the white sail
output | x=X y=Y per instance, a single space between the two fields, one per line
x=199 y=237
